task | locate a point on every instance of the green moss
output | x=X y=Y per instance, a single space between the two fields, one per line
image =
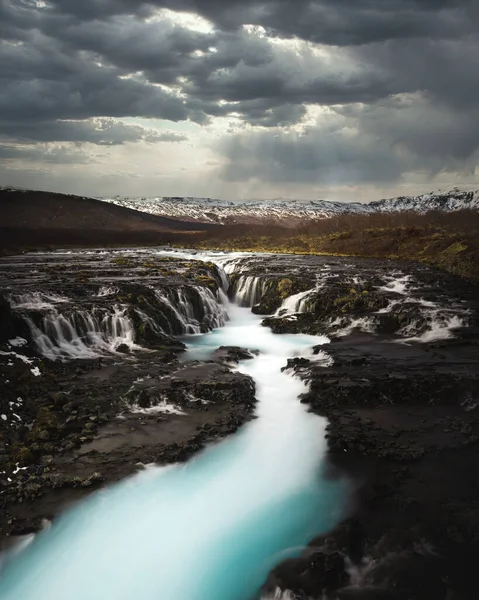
x=23 y=456
x=206 y=281
x=123 y=261
x=284 y=288
x=46 y=424
x=455 y=248
x=340 y=235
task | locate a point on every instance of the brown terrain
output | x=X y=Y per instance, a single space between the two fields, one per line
x=30 y=218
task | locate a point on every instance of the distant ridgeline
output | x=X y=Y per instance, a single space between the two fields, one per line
x=220 y=211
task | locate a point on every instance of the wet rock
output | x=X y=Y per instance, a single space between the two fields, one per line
x=11 y=326
x=123 y=349
x=296 y=364
x=311 y=575
x=233 y=354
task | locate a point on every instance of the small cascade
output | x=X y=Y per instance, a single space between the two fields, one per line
x=62 y=331
x=191 y=310
x=399 y=285
x=247 y=290
x=232 y=265
x=214 y=310
x=346 y=325
x=225 y=281
x=82 y=334
x=299 y=303
x=106 y=291
x=439 y=326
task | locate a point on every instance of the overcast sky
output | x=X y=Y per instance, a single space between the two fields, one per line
x=240 y=99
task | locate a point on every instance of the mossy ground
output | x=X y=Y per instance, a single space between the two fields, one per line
x=448 y=241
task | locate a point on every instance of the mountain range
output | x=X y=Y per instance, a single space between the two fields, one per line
x=207 y=210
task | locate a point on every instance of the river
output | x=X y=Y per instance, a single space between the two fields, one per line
x=210 y=529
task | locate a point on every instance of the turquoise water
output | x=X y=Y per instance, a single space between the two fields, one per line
x=208 y=530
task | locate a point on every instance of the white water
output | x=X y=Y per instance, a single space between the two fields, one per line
x=106 y=291
x=83 y=334
x=204 y=313
x=36 y=300
x=295 y=304
x=348 y=325
x=399 y=285
x=440 y=327
x=100 y=330
x=248 y=290
x=208 y=530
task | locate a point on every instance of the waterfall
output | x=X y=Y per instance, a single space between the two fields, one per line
x=247 y=290
x=82 y=334
x=295 y=304
x=61 y=331
x=225 y=282
x=191 y=310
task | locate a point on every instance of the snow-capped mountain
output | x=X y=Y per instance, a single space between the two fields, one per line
x=292 y=211
x=221 y=211
x=446 y=201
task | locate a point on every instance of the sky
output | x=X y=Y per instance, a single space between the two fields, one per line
x=240 y=99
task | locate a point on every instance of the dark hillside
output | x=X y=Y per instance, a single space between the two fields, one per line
x=30 y=217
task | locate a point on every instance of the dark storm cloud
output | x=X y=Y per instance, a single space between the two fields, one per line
x=104 y=132
x=44 y=154
x=317 y=157
x=326 y=21
x=359 y=145
x=68 y=66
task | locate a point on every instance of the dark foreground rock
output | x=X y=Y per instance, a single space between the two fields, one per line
x=233 y=354
x=404 y=424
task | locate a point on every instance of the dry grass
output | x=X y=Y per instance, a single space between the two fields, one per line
x=447 y=240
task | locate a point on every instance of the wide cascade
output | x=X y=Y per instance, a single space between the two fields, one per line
x=214 y=527
x=60 y=331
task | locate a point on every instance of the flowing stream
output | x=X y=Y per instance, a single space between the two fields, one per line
x=211 y=529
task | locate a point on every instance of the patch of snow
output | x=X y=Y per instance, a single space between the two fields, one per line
x=18 y=469
x=25 y=359
x=18 y=342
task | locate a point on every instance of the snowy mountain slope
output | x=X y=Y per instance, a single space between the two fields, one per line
x=446 y=201
x=291 y=211
x=221 y=211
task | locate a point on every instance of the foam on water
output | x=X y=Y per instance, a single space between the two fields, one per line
x=349 y=324
x=36 y=300
x=208 y=530
x=399 y=285
x=440 y=327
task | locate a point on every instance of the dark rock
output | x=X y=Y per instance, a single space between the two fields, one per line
x=233 y=354
x=123 y=349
